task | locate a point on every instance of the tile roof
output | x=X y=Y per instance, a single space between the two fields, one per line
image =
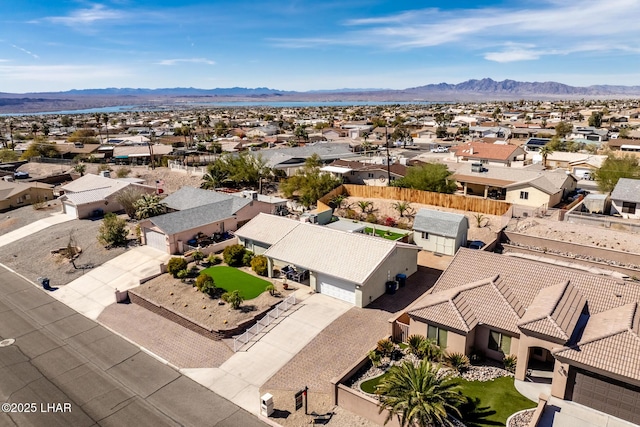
x=627 y=190
x=554 y=311
x=267 y=228
x=478 y=150
x=438 y=222
x=349 y=256
x=610 y=342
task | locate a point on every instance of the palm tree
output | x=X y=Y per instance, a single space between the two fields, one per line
x=214 y=178
x=545 y=152
x=80 y=168
x=149 y=205
x=364 y=205
x=419 y=395
x=98 y=117
x=105 y=120
x=401 y=207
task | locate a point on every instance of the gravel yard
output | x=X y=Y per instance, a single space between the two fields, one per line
x=14 y=219
x=185 y=299
x=31 y=256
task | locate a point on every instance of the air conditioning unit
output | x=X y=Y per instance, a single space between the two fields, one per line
x=477 y=167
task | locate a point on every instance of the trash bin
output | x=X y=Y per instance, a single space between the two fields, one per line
x=45 y=284
x=401 y=279
x=391 y=287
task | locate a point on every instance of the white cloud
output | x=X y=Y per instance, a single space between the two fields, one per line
x=187 y=60
x=97 y=12
x=71 y=74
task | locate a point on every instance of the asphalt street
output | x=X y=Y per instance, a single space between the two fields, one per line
x=59 y=368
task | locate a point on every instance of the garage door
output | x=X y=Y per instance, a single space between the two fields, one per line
x=335 y=288
x=70 y=210
x=607 y=395
x=155 y=240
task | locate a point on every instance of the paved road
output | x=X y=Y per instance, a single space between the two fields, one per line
x=61 y=357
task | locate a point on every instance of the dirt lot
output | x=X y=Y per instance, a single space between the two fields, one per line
x=187 y=300
x=383 y=208
x=577 y=233
x=31 y=256
x=17 y=218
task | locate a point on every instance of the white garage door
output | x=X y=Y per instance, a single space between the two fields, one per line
x=335 y=288
x=70 y=210
x=155 y=240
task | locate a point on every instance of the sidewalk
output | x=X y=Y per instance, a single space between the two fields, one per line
x=34 y=227
x=239 y=379
x=91 y=293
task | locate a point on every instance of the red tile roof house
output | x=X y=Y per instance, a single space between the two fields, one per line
x=584 y=328
x=497 y=154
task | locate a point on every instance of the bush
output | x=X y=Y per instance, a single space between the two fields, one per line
x=259 y=265
x=247 y=258
x=123 y=172
x=205 y=284
x=233 y=298
x=510 y=363
x=194 y=270
x=182 y=275
x=374 y=356
x=351 y=214
x=113 y=231
x=390 y=222
x=385 y=347
x=198 y=256
x=416 y=345
x=271 y=289
x=213 y=259
x=458 y=361
x=233 y=255
x=175 y=265
x=372 y=218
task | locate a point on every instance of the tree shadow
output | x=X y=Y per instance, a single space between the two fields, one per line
x=474 y=415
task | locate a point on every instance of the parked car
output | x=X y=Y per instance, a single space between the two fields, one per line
x=21 y=175
x=476 y=244
x=440 y=149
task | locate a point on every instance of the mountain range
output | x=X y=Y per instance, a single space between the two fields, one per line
x=472 y=90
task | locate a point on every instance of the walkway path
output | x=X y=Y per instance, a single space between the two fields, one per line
x=91 y=293
x=239 y=379
x=34 y=227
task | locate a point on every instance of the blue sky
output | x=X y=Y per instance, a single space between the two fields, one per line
x=58 y=45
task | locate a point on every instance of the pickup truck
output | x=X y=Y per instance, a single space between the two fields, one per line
x=440 y=150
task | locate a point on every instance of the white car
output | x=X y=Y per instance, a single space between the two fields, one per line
x=440 y=150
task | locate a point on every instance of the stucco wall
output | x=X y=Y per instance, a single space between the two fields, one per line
x=35 y=194
x=536 y=197
x=481 y=342
x=230 y=224
x=616 y=208
x=254 y=208
x=456 y=343
x=400 y=261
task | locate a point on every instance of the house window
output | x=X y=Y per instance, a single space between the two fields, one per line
x=353 y=172
x=425 y=235
x=499 y=342
x=20 y=200
x=628 y=208
x=438 y=335
x=370 y=175
x=524 y=195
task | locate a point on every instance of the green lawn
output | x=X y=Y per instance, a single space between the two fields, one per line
x=498 y=395
x=498 y=399
x=230 y=279
x=383 y=233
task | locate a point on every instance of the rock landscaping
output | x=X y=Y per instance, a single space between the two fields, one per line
x=521 y=419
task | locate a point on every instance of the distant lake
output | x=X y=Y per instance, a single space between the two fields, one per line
x=188 y=105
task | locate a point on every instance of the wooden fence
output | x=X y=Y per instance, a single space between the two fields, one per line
x=452 y=201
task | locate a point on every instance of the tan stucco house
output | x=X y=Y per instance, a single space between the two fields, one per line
x=14 y=194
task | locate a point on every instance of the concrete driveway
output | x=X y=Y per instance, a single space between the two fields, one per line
x=94 y=291
x=34 y=227
x=239 y=379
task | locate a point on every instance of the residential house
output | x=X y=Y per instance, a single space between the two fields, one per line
x=589 y=133
x=352 y=267
x=140 y=154
x=196 y=213
x=15 y=194
x=440 y=232
x=625 y=198
x=493 y=154
x=353 y=172
x=582 y=329
x=489 y=131
x=290 y=159
x=530 y=186
x=94 y=195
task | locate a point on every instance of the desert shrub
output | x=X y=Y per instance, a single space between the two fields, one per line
x=259 y=265
x=510 y=363
x=123 y=172
x=432 y=351
x=385 y=347
x=372 y=218
x=375 y=358
x=350 y=214
x=205 y=284
x=213 y=259
x=234 y=299
x=198 y=256
x=403 y=226
x=458 y=361
x=390 y=222
x=247 y=258
x=271 y=289
x=416 y=344
x=182 y=275
x=175 y=265
x=233 y=255
x=113 y=231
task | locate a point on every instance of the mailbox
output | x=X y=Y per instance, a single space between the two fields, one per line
x=266 y=405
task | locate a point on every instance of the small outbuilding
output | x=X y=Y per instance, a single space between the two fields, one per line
x=440 y=232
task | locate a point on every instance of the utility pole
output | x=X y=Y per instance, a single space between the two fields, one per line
x=386 y=137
